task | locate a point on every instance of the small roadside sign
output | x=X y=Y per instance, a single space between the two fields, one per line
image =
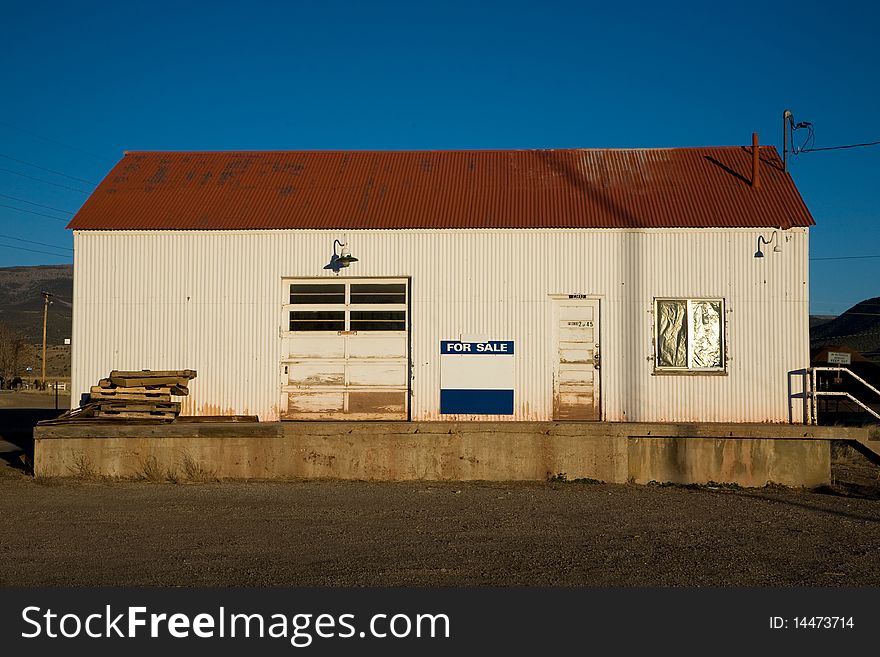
x=839 y=358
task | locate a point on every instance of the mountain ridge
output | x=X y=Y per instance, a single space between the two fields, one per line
x=21 y=301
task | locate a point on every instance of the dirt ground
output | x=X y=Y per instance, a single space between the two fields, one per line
x=425 y=534
x=340 y=533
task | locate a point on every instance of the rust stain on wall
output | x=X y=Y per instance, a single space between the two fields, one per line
x=211 y=409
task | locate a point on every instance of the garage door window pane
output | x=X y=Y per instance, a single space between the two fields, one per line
x=302 y=294
x=323 y=320
x=378 y=293
x=391 y=320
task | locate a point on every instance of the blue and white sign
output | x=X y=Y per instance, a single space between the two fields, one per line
x=476 y=378
x=490 y=347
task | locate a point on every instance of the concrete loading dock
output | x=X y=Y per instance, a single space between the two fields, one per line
x=749 y=455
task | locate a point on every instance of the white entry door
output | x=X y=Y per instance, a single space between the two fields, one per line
x=345 y=349
x=576 y=362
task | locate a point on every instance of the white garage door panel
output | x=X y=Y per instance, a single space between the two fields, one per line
x=376 y=405
x=376 y=374
x=315 y=405
x=312 y=374
x=372 y=346
x=315 y=346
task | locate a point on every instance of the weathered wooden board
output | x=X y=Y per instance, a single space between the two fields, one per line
x=131 y=382
x=161 y=390
x=134 y=415
x=133 y=374
x=150 y=378
x=111 y=395
x=201 y=419
x=98 y=393
x=140 y=406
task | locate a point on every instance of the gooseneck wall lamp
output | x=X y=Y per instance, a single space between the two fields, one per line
x=761 y=240
x=341 y=259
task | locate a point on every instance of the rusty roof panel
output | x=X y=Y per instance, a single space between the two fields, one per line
x=569 y=188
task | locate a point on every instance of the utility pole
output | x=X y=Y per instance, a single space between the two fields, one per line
x=46 y=302
x=786 y=129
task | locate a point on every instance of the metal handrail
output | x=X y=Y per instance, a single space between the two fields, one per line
x=815 y=393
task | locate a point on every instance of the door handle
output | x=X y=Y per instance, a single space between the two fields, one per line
x=597 y=360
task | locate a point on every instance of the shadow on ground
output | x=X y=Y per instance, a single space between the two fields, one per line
x=17 y=429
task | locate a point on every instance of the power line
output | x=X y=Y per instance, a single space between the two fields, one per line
x=811 y=138
x=40 y=214
x=21 y=248
x=39 y=205
x=37 y=166
x=55 y=141
x=48 y=182
x=53 y=246
x=836 y=148
x=861 y=257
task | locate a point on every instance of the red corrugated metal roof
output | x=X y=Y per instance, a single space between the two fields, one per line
x=570 y=188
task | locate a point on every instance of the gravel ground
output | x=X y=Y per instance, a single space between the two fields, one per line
x=79 y=533
x=340 y=533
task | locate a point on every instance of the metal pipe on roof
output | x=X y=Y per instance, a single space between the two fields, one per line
x=756 y=177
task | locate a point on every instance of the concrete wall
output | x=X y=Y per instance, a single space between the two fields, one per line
x=748 y=455
x=212 y=301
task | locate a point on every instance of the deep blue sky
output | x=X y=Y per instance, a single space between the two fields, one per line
x=104 y=77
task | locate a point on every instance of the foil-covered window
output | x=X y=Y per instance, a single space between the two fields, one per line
x=689 y=334
x=672 y=334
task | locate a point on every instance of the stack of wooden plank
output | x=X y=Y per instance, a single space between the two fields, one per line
x=138 y=395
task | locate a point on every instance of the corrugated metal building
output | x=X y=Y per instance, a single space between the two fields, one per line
x=617 y=285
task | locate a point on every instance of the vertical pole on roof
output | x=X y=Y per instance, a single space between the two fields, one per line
x=756 y=162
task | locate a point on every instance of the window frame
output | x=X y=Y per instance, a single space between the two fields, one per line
x=349 y=306
x=689 y=370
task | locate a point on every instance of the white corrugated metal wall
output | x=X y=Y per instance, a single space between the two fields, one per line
x=211 y=301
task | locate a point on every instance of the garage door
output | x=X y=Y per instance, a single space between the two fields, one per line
x=345 y=349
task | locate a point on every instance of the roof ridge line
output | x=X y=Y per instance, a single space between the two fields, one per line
x=571 y=149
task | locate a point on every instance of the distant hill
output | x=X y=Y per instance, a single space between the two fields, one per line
x=21 y=304
x=818 y=320
x=858 y=328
